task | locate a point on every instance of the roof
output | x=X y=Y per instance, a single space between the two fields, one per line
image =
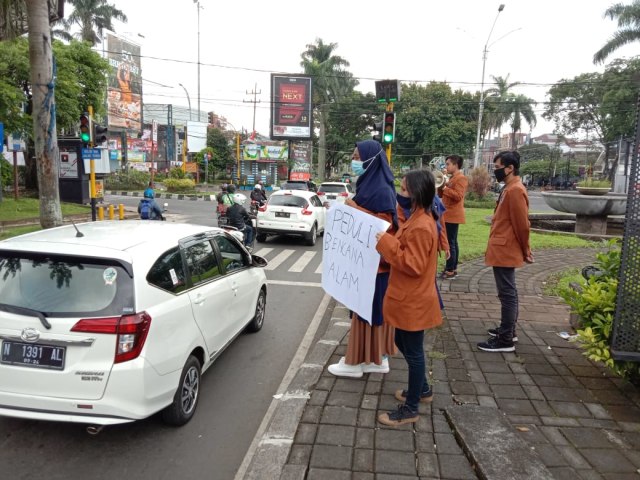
x=299 y=193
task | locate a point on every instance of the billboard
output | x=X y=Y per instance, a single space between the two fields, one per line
x=291 y=117
x=124 y=92
x=301 y=168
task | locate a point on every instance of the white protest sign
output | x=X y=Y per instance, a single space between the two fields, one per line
x=350 y=260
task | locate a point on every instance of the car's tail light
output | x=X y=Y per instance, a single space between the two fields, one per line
x=305 y=211
x=131 y=331
x=320 y=193
x=262 y=208
x=344 y=194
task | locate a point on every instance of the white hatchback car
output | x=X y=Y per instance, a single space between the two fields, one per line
x=292 y=212
x=335 y=192
x=115 y=321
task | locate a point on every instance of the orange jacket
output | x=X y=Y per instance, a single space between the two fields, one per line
x=453 y=198
x=411 y=302
x=509 y=235
x=443 y=241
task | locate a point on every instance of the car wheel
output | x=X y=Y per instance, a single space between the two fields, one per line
x=258 y=319
x=311 y=236
x=186 y=398
x=261 y=237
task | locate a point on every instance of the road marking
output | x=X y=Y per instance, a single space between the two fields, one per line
x=296 y=364
x=278 y=259
x=263 y=252
x=302 y=262
x=319 y=269
x=294 y=284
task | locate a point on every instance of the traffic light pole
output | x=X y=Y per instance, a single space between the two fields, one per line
x=92 y=174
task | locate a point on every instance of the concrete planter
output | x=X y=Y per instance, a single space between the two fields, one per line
x=593 y=190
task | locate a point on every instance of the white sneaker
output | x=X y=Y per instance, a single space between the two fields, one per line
x=373 y=368
x=341 y=369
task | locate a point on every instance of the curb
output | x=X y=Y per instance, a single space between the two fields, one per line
x=174 y=196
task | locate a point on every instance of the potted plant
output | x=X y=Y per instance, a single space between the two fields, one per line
x=589 y=186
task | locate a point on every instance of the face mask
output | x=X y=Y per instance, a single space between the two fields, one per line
x=404 y=202
x=356 y=166
x=500 y=175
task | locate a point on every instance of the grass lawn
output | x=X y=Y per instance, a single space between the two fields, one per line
x=30 y=208
x=15 y=231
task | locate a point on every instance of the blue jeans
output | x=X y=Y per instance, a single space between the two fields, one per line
x=248 y=235
x=411 y=344
x=508 y=294
x=452 y=238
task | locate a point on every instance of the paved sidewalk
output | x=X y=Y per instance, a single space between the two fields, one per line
x=544 y=411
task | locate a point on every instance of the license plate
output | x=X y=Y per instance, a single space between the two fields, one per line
x=282 y=214
x=33 y=355
x=331 y=197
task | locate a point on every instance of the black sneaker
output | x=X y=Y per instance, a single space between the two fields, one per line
x=399 y=417
x=494 y=333
x=401 y=395
x=496 y=344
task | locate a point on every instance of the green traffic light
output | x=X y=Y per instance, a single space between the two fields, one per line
x=85 y=137
x=388 y=138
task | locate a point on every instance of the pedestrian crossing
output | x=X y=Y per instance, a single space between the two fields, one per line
x=291 y=260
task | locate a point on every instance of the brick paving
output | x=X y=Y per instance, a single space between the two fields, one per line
x=580 y=421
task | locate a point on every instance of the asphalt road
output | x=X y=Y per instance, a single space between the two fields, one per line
x=236 y=392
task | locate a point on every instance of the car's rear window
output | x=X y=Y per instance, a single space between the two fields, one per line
x=287 y=201
x=295 y=186
x=331 y=188
x=65 y=285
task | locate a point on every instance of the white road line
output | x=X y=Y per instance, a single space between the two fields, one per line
x=294 y=284
x=263 y=252
x=319 y=269
x=302 y=262
x=278 y=259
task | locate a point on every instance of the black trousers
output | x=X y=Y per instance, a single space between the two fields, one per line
x=508 y=294
x=452 y=238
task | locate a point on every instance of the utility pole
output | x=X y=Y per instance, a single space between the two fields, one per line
x=255 y=102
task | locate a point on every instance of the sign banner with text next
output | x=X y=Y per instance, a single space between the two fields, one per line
x=291 y=107
x=350 y=260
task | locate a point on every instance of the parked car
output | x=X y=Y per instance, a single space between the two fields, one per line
x=335 y=191
x=292 y=212
x=110 y=322
x=306 y=185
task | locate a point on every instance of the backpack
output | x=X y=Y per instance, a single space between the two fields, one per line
x=145 y=210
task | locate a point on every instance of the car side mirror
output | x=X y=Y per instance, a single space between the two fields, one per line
x=257 y=261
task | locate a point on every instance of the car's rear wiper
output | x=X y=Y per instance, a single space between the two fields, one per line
x=26 y=311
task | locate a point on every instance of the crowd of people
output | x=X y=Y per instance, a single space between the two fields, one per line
x=425 y=218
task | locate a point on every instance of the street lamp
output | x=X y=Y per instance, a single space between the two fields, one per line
x=197 y=2
x=188 y=99
x=481 y=111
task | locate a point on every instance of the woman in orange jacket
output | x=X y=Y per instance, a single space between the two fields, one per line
x=411 y=302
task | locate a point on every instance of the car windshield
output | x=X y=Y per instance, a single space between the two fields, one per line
x=331 y=188
x=64 y=285
x=287 y=201
x=295 y=186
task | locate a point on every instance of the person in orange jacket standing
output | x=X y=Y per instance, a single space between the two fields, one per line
x=411 y=302
x=453 y=193
x=508 y=248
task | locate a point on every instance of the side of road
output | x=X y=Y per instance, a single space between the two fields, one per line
x=175 y=196
x=544 y=411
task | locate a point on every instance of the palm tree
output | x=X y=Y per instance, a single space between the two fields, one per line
x=498 y=96
x=628 y=17
x=519 y=108
x=93 y=17
x=330 y=83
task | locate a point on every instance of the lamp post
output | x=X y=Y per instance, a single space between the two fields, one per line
x=188 y=99
x=197 y=2
x=476 y=160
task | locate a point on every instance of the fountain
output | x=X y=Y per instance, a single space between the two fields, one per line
x=591 y=211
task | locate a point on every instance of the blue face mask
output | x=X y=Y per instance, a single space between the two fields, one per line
x=356 y=166
x=404 y=202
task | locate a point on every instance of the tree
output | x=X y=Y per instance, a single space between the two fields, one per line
x=331 y=82
x=497 y=97
x=93 y=17
x=628 y=17
x=221 y=153
x=517 y=109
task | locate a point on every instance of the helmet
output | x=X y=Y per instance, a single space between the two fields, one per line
x=258 y=186
x=239 y=199
x=231 y=188
x=148 y=193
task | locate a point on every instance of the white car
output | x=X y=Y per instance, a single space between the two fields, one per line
x=115 y=321
x=292 y=212
x=335 y=192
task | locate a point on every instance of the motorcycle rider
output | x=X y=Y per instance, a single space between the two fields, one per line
x=148 y=208
x=238 y=217
x=258 y=195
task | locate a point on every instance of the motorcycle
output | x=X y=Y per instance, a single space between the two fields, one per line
x=255 y=205
x=239 y=234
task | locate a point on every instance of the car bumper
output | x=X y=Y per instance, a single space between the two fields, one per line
x=135 y=391
x=278 y=228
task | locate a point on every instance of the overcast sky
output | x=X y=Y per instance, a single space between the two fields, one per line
x=535 y=42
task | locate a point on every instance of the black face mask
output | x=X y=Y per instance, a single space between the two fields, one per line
x=499 y=174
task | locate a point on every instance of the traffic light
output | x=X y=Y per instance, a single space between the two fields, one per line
x=389 y=127
x=210 y=115
x=377 y=131
x=99 y=134
x=85 y=128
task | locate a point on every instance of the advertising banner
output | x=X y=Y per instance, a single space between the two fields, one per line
x=349 y=257
x=124 y=92
x=291 y=97
x=301 y=155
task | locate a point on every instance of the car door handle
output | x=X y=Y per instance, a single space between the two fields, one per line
x=199 y=299
x=234 y=287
